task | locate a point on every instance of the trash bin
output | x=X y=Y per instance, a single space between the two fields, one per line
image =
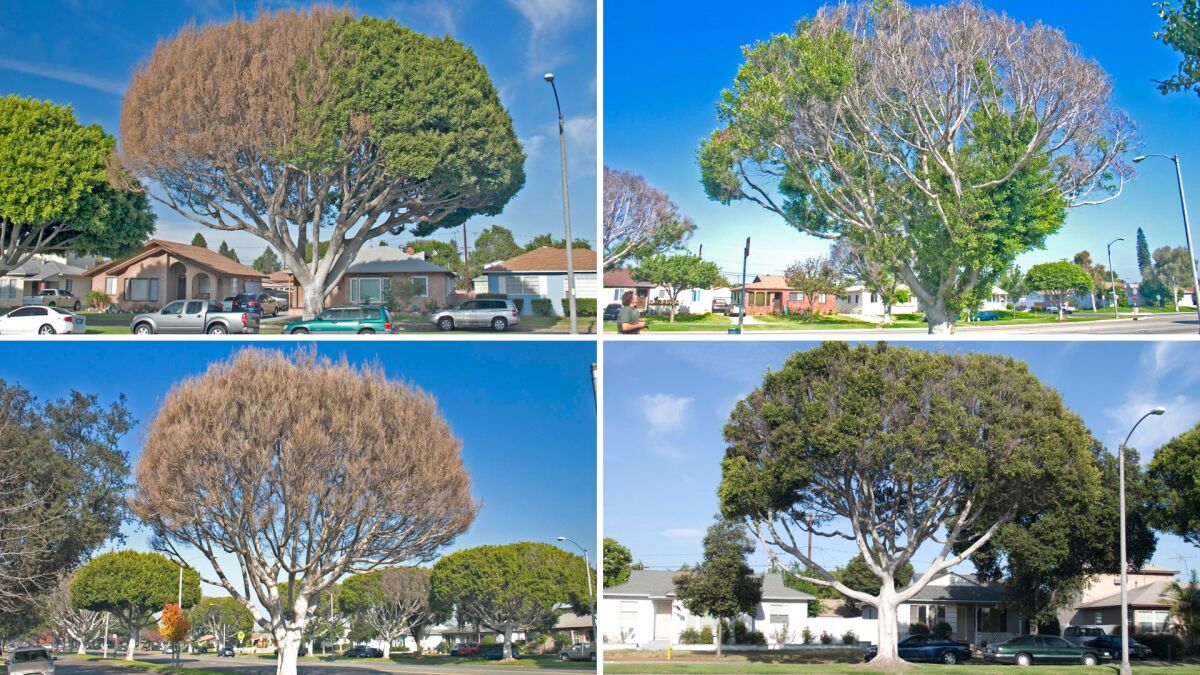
x=734 y=331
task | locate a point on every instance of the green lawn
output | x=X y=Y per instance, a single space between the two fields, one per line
x=555 y=324
x=108 y=330
x=538 y=661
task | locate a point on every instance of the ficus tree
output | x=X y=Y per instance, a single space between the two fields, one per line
x=394 y=603
x=945 y=140
x=814 y=277
x=510 y=587
x=1172 y=268
x=1181 y=32
x=317 y=127
x=132 y=586
x=56 y=187
x=223 y=616
x=857 y=575
x=723 y=585
x=639 y=219
x=676 y=273
x=390 y=487
x=1059 y=281
x=892 y=449
x=1174 y=474
x=618 y=561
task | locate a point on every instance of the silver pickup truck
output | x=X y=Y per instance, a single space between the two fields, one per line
x=194 y=316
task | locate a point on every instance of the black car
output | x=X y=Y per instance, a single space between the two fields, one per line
x=226 y=651
x=1112 y=645
x=363 y=652
x=258 y=303
x=612 y=311
x=930 y=648
x=495 y=652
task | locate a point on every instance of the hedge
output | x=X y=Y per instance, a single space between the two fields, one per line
x=1163 y=645
x=542 y=306
x=583 y=306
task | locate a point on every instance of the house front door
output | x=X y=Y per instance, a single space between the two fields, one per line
x=662 y=620
x=966 y=624
x=181 y=287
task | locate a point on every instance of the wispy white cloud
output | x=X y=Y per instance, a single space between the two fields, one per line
x=440 y=16
x=63 y=74
x=548 y=20
x=1182 y=413
x=665 y=413
x=1174 y=359
x=533 y=145
x=581 y=135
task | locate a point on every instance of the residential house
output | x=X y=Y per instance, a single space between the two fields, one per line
x=1100 y=603
x=542 y=274
x=976 y=611
x=617 y=282
x=162 y=271
x=644 y=611
x=62 y=270
x=771 y=294
x=579 y=627
x=996 y=302
x=861 y=301
x=692 y=300
x=379 y=272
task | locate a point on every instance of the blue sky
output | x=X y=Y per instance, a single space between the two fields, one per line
x=84 y=53
x=524 y=411
x=666 y=403
x=660 y=87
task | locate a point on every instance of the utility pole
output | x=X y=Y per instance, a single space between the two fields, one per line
x=742 y=314
x=467 y=262
x=104 y=648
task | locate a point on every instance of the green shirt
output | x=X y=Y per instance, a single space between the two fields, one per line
x=627 y=315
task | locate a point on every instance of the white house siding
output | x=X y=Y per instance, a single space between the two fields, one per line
x=859 y=301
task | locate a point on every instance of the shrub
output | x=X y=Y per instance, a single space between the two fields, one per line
x=942 y=629
x=443 y=647
x=520 y=304
x=782 y=635
x=706 y=635
x=849 y=638
x=96 y=299
x=690 y=636
x=806 y=636
x=583 y=306
x=826 y=638
x=912 y=316
x=542 y=306
x=754 y=637
x=490 y=640
x=1164 y=645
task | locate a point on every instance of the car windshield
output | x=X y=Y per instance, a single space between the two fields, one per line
x=30 y=655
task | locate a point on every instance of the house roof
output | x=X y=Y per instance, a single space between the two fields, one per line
x=397 y=266
x=40 y=269
x=768 y=282
x=1150 y=595
x=661 y=584
x=623 y=279
x=971 y=591
x=198 y=254
x=547 y=259
x=568 y=620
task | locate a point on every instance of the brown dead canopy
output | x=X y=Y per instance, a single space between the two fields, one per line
x=299 y=459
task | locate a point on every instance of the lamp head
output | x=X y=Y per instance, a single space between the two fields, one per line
x=561 y=538
x=1158 y=410
x=549 y=77
x=1139 y=159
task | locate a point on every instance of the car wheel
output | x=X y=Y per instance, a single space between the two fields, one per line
x=143 y=329
x=1024 y=660
x=299 y=331
x=46 y=329
x=949 y=658
x=52 y=304
x=592 y=657
x=367 y=331
x=1089 y=660
x=563 y=657
x=217 y=329
x=446 y=323
x=76 y=306
x=499 y=324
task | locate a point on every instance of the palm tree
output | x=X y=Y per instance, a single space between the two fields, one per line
x=1185 y=609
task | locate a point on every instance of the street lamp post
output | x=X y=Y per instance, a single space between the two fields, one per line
x=1187 y=229
x=588 y=570
x=1159 y=410
x=1112 y=279
x=562 y=151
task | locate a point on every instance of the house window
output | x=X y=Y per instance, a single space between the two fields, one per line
x=522 y=285
x=993 y=620
x=795 y=297
x=617 y=293
x=779 y=615
x=202 y=284
x=629 y=620
x=928 y=614
x=821 y=299
x=366 y=290
x=420 y=286
x=874 y=297
x=233 y=285
x=110 y=285
x=1151 y=620
x=9 y=288
x=141 y=290
x=696 y=296
x=68 y=285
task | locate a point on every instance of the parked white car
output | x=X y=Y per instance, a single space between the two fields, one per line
x=39 y=320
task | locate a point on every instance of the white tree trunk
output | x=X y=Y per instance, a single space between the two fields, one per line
x=288 y=641
x=887 y=315
x=387 y=648
x=888 y=634
x=133 y=635
x=314 y=299
x=1092 y=295
x=508 y=644
x=718 y=637
x=1175 y=296
x=940 y=321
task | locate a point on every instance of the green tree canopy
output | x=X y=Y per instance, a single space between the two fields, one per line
x=223 y=617
x=617 y=563
x=1173 y=269
x=1181 y=32
x=813 y=277
x=886 y=446
x=1144 y=262
x=677 y=273
x=722 y=585
x=227 y=251
x=443 y=254
x=391 y=603
x=857 y=575
x=511 y=587
x=267 y=263
x=133 y=586
x=55 y=189
x=1059 y=282
x=199 y=240
x=1174 y=474
x=373 y=129
x=494 y=244
x=549 y=240
x=842 y=129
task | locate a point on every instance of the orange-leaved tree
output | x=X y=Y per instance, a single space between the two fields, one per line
x=175 y=626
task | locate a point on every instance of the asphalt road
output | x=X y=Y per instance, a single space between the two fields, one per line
x=245 y=665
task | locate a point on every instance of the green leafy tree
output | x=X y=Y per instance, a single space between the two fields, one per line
x=224 y=617
x=56 y=193
x=267 y=263
x=878 y=278
x=1185 y=609
x=199 y=240
x=333 y=128
x=676 y=273
x=795 y=577
x=444 y=254
x=722 y=585
x=941 y=450
x=1175 y=475
x=813 y=277
x=1095 y=272
x=132 y=585
x=1181 y=32
x=494 y=244
x=1012 y=280
x=511 y=587
x=548 y=240
x=63 y=478
x=1144 y=262
x=1173 y=269
x=227 y=251
x=858 y=576
x=391 y=603
x=842 y=129
x=617 y=563
x=1059 y=282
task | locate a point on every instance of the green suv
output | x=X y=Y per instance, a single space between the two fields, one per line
x=345 y=319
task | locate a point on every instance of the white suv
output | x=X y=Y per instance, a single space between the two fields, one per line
x=493 y=313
